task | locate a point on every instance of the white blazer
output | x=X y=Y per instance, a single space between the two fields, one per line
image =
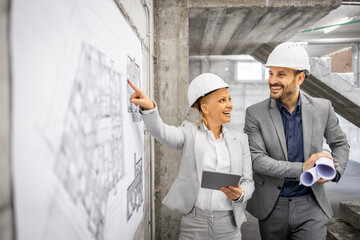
x=186 y=138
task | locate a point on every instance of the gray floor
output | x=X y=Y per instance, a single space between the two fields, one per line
x=348 y=189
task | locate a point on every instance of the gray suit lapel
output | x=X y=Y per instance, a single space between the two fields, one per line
x=307 y=113
x=276 y=118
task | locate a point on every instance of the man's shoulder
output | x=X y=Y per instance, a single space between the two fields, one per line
x=315 y=101
x=260 y=106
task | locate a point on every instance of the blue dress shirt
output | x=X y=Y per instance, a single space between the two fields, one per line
x=294 y=142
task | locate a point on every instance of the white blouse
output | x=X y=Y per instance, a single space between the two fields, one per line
x=216 y=157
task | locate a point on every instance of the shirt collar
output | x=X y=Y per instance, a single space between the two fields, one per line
x=297 y=108
x=211 y=134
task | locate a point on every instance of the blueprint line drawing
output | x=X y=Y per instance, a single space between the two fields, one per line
x=90 y=161
x=74 y=138
x=135 y=190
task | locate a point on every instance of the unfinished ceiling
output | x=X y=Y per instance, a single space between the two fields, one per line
x=241 y=30
x=336 y=31
x=257 y=30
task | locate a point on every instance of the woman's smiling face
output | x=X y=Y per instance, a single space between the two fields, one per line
x=217 y=107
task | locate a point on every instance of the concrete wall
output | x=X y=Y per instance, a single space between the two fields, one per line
x=341 y=61
x=6 y=213
x=141 y=20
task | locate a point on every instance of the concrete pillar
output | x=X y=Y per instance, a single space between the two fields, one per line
x=171 y=82
x=6 y=211
x=356 y=64
x=205 y=65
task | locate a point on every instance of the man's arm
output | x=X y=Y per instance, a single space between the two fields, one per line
x=337 y=141
x=261 y=161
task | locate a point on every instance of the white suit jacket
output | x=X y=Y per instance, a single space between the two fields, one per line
x=186 y=138
x=264 y=126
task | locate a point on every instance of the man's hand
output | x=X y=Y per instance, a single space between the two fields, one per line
x=310 y=162
x=322 y=181
x=233 y=193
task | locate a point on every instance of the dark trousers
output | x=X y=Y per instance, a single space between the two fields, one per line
x=296 y=219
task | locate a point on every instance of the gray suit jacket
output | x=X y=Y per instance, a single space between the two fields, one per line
x=264 y=126
x=186 y=138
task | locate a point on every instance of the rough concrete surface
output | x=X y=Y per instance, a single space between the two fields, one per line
x=171 y=81
x=250 y=3
x=349 y=211
x=340 y=230
x=242 y=30
x=6 y=211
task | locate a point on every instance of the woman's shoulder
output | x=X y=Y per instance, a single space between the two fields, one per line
x=189 y=125
x=237 y=133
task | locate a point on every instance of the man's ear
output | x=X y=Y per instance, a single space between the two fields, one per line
x=300 y=78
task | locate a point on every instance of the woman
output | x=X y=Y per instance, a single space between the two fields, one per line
x=208 y=145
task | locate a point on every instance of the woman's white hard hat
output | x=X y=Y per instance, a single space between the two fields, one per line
x=289 y=55
x=203 y=84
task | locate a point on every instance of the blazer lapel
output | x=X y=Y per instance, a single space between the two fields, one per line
x=276 y=118
x=234 y=153
x=307 y=113
x=200 y=138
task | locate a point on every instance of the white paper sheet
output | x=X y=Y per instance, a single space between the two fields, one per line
x=77 y=150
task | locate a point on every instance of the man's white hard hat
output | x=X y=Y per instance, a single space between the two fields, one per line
x=289 y=55
x=203 y=84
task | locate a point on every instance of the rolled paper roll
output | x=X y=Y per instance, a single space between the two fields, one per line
x=325 y=168
x=309 y=177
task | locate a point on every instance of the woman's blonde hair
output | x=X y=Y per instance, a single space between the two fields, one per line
x=197 y=106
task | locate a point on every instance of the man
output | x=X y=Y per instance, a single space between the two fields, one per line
x=286 y=138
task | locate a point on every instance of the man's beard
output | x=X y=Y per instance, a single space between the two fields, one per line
x=275 y=96
x=284 y=94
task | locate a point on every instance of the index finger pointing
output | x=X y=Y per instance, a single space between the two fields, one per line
x=133 y=86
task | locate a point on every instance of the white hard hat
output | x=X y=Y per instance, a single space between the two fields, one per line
x=203 y=84
x=289 y=55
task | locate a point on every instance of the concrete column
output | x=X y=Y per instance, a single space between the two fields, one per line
x=171 y=82
x=6 y=210
x=356 y=63
x=205 y=65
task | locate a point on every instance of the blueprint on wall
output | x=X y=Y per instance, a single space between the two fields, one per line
x=77 y=141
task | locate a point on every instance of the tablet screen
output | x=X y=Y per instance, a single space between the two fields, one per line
x=216 y=180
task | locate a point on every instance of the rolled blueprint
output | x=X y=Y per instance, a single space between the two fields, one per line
x=309 y=177
x=325 y=168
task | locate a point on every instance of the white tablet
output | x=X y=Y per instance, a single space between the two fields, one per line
x=216 y=180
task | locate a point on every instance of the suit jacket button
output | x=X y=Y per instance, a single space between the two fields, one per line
x=279 y=187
